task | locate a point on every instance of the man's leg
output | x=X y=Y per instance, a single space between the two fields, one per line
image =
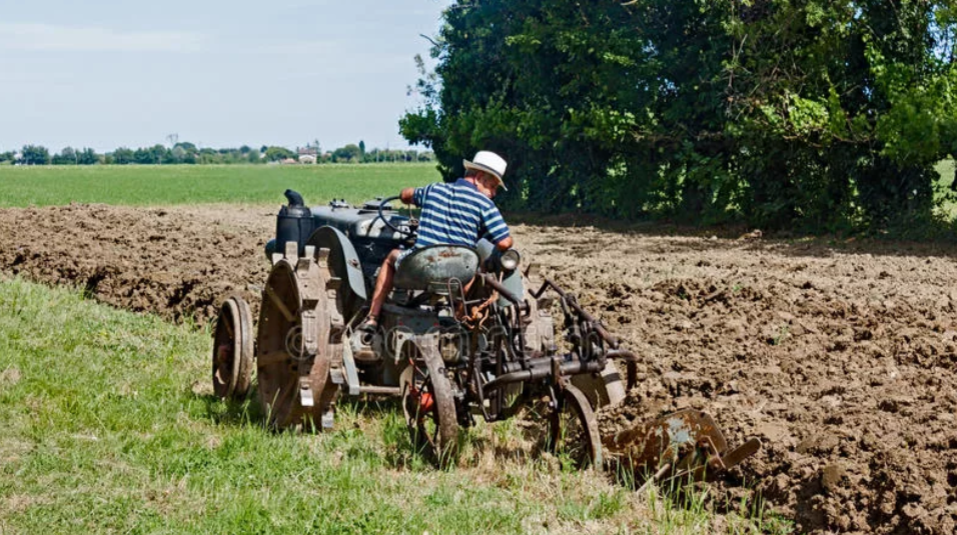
x=383 y=285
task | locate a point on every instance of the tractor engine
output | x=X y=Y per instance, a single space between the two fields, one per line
x=371 y=238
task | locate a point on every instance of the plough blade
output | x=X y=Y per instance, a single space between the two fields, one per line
x=683 y=444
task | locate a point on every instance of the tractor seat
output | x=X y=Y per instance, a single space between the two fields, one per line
x=436 y=268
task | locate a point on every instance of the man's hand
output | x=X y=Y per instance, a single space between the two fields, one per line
x=407 y=194
x=505 y=244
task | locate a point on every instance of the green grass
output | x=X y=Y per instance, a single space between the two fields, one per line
x=200 y=184
x=109 y=426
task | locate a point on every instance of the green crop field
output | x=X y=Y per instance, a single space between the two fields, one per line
x=200 y=184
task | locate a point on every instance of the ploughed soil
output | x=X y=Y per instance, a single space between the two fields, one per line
x=841 y=356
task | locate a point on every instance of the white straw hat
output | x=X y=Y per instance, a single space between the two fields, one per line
x=489 y=162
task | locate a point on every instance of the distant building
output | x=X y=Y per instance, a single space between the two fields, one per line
x=289 y=161
x=307 y=158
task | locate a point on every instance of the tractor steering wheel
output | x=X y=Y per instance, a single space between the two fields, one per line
x=412 y=222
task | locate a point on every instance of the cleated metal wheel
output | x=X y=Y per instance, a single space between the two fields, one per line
x=295 y=350
x=233 y=350
x=573 y=430
x=428 y=404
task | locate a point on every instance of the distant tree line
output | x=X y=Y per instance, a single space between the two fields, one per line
x=782 y=113
x=188 y=153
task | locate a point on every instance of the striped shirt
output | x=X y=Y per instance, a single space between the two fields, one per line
x=456 y=214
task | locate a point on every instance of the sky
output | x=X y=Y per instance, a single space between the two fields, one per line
x=217 y=73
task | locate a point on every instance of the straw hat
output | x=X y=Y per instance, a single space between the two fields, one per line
x=489 y=162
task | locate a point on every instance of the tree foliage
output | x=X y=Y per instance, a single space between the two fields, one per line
x=350 y=153
x=35 y=155
x=275 y=154
x=783 y=112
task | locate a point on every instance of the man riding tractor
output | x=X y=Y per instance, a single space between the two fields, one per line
x=457 y=213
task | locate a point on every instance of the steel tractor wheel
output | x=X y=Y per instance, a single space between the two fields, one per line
x=233 y=350
x=573 y=430
x=428 y=402
x=295 y=347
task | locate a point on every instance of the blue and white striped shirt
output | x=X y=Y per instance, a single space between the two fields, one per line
x=456 y=214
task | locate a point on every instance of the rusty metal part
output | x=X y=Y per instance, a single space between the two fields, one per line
x=609 y=338
x=602 y=388
x=521 y=307
x=295 y=351
x=631 y=363
x=427 y=400
x=479 y=314
x=587 y=335
x=502 y=290
x=573 y=429
x=683 y=444
x=537 y=323
x=232 y=350
x=741 y=453
x=540 y=368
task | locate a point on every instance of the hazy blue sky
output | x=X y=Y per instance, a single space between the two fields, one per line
x=220 y=73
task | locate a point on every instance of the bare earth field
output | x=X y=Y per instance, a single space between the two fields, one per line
x=841 y=357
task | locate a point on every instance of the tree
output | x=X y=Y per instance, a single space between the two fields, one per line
x=178 y=154
x=123 y=156
x=349 y=153
x=67 y=156
x=143 y=156
x=160 y=154
x=87 y=157
x=783 y=113
x=275 y=154
x=35 y=155
x=209 y=156
x=821 y=115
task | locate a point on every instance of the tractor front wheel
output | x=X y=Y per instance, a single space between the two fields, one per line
x=233 y=350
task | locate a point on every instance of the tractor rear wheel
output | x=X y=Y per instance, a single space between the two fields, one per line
x=232 y=350
x=295 y=346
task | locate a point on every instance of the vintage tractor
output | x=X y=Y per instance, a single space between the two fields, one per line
x=466 y=333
